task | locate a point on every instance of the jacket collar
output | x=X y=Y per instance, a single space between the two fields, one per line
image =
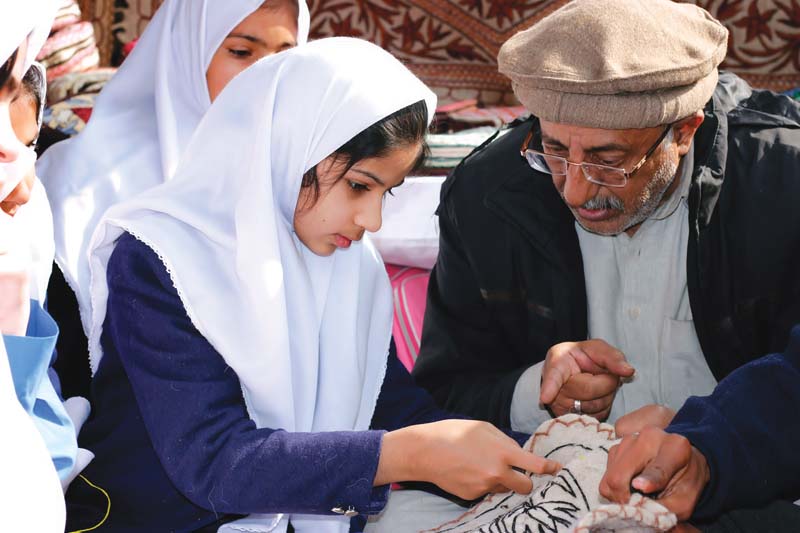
x=527 y=200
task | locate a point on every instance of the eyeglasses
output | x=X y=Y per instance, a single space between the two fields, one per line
x=600 y=174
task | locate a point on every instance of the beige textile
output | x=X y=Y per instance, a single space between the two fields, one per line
x=616 y=64
x=570 y=501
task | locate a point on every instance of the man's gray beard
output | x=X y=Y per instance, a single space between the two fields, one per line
x=645 y=204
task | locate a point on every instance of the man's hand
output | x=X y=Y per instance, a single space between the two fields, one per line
x=588 y=371
x=650 y=415
x=660 y=464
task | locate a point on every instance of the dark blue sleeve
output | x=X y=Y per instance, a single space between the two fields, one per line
x=192 y=406
x=748 y=431
x=403 y=403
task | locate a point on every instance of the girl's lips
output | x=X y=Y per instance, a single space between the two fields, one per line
x=341 y=241
x=596 y=215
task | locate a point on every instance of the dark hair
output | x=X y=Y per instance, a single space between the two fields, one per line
x=7 y=69
x=400 y=129
x=31 y=83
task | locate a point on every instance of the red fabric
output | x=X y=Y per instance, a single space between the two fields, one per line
x=409 y=289
x=128 y=48
x=83 y=113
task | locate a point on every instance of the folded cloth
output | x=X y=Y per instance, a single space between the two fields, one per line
x=68 y=13
x=77 y=83
x=448 y=149
x=570 y=501
x=71 y=49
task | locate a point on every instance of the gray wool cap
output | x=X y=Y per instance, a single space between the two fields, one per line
x=616 y=64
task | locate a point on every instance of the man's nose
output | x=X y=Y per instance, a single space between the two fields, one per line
x=577 y=189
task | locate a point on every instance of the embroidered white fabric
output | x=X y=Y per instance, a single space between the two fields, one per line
x=570 y=501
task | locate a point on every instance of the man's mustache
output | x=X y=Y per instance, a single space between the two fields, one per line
x=599 y=203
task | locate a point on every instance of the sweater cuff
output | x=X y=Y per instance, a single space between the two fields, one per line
x=360 y=495
x=706 y=439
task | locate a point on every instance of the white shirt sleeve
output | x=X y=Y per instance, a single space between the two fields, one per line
x=526 y=412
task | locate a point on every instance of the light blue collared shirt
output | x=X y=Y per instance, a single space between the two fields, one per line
x=29 y=358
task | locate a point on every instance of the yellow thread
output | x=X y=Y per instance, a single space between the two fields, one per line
x=108 y=509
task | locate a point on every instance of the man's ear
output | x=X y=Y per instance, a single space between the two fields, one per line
x=685 y=129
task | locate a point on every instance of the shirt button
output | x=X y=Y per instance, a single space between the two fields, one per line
x=634 y=313
x=338 y=510
x=350 y=512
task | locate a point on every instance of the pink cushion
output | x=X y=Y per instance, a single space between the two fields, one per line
x=409 y=288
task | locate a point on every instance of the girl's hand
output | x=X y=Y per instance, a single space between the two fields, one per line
x=466 y=458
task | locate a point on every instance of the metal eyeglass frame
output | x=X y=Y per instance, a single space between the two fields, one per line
x=542 y=166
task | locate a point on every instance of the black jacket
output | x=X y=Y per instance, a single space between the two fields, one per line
x=509 y=283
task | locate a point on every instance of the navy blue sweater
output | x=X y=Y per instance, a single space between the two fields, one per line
x=175 y=447
x=749 y=432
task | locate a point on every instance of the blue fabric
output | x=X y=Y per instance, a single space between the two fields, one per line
x=749 y=433
x=36 y=387
x=173 y=443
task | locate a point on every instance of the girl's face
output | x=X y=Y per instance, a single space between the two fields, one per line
x=270 y=29
x=8 y=92
x=23 y=113
x=349 y=206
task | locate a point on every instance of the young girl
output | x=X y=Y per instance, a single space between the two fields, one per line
x=140 y=126
x=146 y=114
x=33 y=500
x=241 y=319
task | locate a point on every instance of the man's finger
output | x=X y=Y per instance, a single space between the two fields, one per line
x=584 y=361
x=607 y=357
x=586 y=387
x=553 y=378
x=595 y=407
x=650 y=415
x=632 y=456
x=673 y=455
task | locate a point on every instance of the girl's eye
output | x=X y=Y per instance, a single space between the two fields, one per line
x=356 y=186
x=239 y=52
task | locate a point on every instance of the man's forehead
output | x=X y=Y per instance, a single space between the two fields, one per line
x=568 y=135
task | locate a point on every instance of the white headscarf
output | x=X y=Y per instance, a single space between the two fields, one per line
x=19 y=21
x=307 y=336
x=140 y=125
x=35 y=496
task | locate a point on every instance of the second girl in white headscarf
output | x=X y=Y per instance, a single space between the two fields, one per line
x=144 y=117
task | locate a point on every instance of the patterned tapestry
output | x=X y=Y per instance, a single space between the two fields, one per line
x=452 y=44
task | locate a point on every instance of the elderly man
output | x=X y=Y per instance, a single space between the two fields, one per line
x=632 y=243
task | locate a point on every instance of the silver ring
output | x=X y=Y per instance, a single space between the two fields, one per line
x=576 y=407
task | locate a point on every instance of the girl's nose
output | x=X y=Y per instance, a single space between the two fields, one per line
x=9 y=145
x=369 y=217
